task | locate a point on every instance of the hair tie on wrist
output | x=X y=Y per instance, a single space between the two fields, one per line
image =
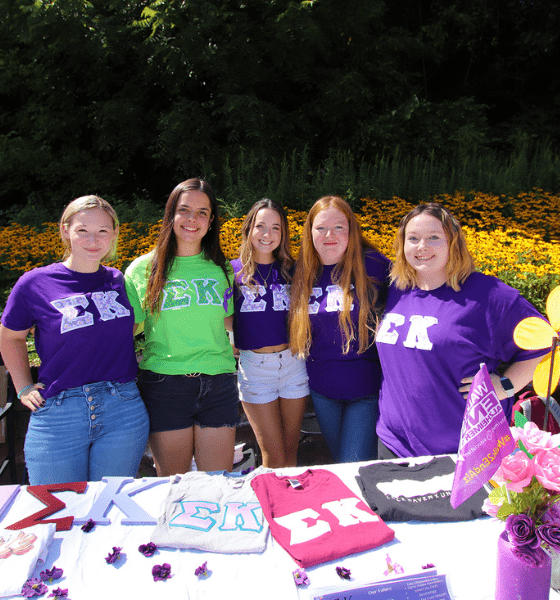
x=23 y=390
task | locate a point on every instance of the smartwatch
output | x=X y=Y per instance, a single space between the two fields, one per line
x=508 y=387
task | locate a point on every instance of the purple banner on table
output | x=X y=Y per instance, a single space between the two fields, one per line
x=485 y=439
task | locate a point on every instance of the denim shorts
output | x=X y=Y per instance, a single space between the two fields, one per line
x=263 y=378
x=181 y=401
x=85 y=433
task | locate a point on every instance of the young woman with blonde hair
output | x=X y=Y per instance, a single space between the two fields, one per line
x=87 y=418
x=338 y=289
x=272 y=382
x=181 y=293
x=442 y=319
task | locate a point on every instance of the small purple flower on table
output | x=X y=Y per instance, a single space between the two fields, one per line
x=521 y=531
x=148 y=549
x=161 y=572
x=300 y=577
x=34 y=587
x=113 y=556
x=429 y=566
x=202 y=571
x=392 y=567
x=59 y=593
x=51 y=575
x=88 y=526
x=343 y=573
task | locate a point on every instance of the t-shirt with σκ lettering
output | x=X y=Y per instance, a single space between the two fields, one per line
x=317 y=518
x=82 y=325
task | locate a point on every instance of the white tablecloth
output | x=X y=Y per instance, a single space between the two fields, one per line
x=465 y=551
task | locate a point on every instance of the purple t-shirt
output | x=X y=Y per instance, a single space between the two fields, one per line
x=331 y=373
x=261 y=314
x=428 y=341
x=83 y=325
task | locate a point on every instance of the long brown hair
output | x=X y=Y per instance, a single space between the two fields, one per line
x=166 y=244
x=349 y=271
x=460 y=263
x=246 y=250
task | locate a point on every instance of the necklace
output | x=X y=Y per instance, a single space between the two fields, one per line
x=265 y=279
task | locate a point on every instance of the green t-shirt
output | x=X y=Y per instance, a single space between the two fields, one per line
x=188 y=334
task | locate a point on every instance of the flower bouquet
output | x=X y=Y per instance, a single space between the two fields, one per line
x=528 y=501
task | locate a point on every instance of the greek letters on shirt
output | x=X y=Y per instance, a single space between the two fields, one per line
x=105 y=302
x=237 y=515
x=178 y=293
x=393 y=326
x=345 y=510
x=253 y=300
x=335 y=298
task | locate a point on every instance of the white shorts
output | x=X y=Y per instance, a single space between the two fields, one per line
x=263 y=378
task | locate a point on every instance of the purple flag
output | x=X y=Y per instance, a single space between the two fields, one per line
x=485 y=439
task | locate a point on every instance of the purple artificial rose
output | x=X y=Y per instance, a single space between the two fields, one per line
x=88 y=526
x=33 y=587
x=300 y=577
x=161 y=572
x=549 y=533
x=343 y=572
x=113 y=556
x=49 y=575
x=521 y=531
x=553 y=514
x=148 y=549
x=59 y=593
x=534 y=557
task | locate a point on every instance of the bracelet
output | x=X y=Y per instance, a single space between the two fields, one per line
x=20 y=393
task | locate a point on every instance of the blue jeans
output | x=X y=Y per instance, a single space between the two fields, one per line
x=87 y=432
x=348 y=426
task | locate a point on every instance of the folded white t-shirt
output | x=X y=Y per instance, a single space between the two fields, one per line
x=20 y=550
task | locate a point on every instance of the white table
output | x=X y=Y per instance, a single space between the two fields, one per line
x=465 y=551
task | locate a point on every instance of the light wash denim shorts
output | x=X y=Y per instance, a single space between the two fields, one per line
x=263 y=378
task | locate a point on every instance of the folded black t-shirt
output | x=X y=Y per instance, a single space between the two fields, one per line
x=398 y=491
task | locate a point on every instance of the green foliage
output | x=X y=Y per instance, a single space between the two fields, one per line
x=125 y=99
x=137 y=213
x=296 y=184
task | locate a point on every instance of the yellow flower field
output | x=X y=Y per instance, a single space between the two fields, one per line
x=513 y=238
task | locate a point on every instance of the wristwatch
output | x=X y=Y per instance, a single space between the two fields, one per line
x=508 y=386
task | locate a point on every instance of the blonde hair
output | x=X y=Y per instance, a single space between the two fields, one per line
x=350 y=271
x=460 y=263
x=246 y=250
x=88 y=203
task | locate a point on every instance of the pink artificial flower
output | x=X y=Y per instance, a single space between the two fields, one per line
x=490 y=508
x=516 y=471
x=547 y=469
x=534 y=439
